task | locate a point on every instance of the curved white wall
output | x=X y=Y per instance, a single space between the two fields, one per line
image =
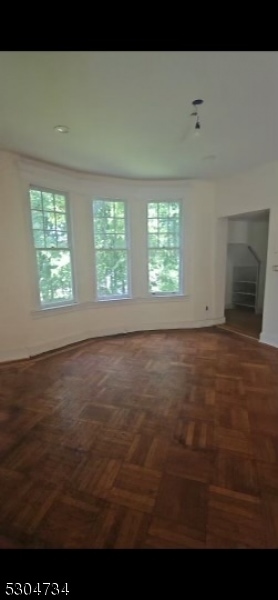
x=25 y=331
x=248 y=192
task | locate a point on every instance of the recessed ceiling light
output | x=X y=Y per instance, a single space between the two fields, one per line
x=61 y=128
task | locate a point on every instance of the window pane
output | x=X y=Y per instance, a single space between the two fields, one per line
x=100 y=240
x=37 y=219
x=173 y=240
x=55 y=276
x=173 y=225
x=164 y=247
x=174 y=209
x=163 y=210
x=50 y=236
x=120 y=241
x=152 y=210
x=60 y=203
x=49 y=220
x=99 y=208
x=62 y=240
x=164 y=270
x=112 y=274
x=38 y=238
x=61 y=221
x=110 y=224
x=50 y=239
x=163 y=240
x=119 y=225
x=48 y=201
x=153 y=225
x=163 y=225
x=111 y=248
x=36 y=199
x=153 y=240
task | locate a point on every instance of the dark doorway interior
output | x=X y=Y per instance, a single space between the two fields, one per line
x=246 y=272
x=243 y=320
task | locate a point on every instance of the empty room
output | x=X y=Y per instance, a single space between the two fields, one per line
x=139 y=300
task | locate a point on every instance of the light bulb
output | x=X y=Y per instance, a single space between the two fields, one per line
x=197 y=130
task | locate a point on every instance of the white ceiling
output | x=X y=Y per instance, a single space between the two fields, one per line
x=129 y=112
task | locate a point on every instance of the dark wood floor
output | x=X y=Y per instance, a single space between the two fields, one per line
x=149 y=440
x=243 y=321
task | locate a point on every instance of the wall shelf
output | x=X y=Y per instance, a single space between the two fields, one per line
x=245 y=286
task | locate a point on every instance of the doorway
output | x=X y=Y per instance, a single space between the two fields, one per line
x=246 y=272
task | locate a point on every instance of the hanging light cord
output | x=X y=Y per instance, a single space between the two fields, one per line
x=195 y=113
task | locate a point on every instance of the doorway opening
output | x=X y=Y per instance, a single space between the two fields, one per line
x=246 y=272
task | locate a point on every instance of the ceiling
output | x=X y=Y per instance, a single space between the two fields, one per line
x=129 y=112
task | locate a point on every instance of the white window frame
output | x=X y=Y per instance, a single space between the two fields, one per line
x=57 y=303
x=114 y=297
x=180 y=292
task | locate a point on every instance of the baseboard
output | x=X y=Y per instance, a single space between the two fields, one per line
x=87 y=335
x=270 y=340
x=36 y=349
x=177 y=325
x=210 y=322
x=72 y=339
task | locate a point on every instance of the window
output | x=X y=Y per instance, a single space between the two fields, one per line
x=164 y=247
x=111 y=249
x=52 y=246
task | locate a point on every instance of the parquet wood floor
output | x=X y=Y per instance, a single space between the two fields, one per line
x=146 y=440
x=244 y=321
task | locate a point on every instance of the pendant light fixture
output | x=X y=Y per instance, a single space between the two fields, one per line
x=195 y=113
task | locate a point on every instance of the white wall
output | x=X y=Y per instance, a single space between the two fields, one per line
x=255 y=190
x=25 y=331
x=237 y=232
x=258 y=240
x=229 y=282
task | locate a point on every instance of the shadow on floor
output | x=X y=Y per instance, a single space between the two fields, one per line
x=243 y=321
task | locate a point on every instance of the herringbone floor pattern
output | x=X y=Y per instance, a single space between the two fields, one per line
x=147 y=440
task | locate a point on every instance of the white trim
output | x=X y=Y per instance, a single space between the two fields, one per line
x=165 y=295
x=181 y=325
x=87 y=335
x=36 y=349
x=269 y=339
x=103 y=303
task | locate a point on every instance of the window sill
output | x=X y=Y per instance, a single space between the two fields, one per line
x=51 y=311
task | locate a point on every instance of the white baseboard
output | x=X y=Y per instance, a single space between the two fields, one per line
x=210 y=322
x=36 y=349
x=269 y=339
x=87 y=335
x=71 y=339
x=177 y=325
